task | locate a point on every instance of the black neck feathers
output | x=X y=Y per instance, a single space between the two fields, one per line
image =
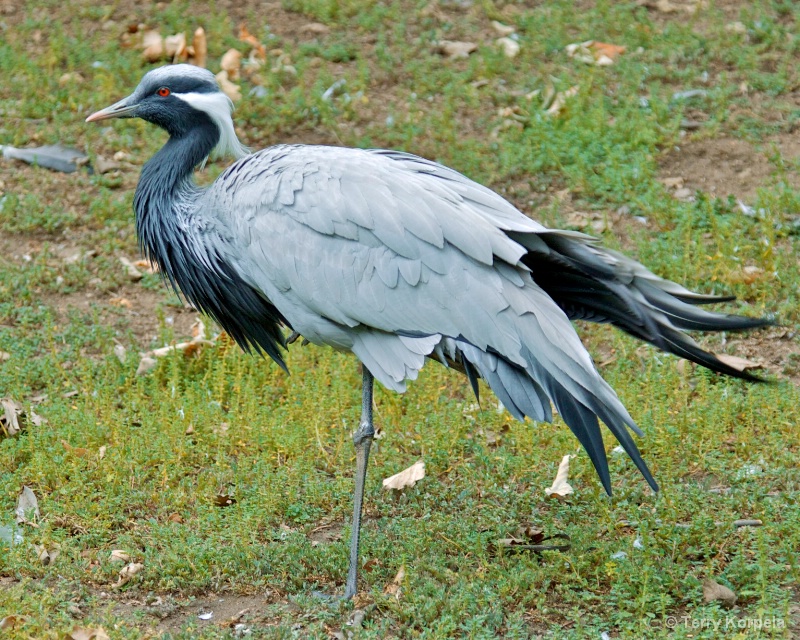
x=176 y=233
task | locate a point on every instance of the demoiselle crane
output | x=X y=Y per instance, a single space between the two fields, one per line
x=396 y=259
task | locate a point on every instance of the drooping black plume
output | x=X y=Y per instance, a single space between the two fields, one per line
x=594 y=284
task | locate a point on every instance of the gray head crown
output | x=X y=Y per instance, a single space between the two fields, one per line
x=182 y=97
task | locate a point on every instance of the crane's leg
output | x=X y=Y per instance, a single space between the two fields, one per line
x=362 y=439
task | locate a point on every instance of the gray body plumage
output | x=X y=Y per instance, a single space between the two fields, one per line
x=396 y=259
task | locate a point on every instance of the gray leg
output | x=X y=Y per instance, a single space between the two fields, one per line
x=362 y=439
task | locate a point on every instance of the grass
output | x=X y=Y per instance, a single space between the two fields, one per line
x=280 y=446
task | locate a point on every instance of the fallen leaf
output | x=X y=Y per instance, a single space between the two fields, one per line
x=672 y=183
x=77 y=451
x=503 y=29
x=715 y=592
x=146 y=364
x=593 y=52
x=560 y=100
x=224 y=500
x=232 y=63
x=152 y=46
x=200 y=47
x=740 y=364
x=406 y=478
x=246 y=36
x=72 y=77
x=134 y=275
x=101 y=452
x=9 y=420
x=175 y=47
x=455 y=48
x=36 y=419
x=47 y=555
x=119 y=301
x=146 y=266
x=27 y=507
x=9 y=622
x=175 y=517
x=83 y=633
x=561 y=488
x=606 y=51
x=120 y=353
x=126 y=574
x=315 y=28
x=510 y=47
x=4 y=355
x=118 y=555
x=230 y=89
x=394 y=587
x=104 y=165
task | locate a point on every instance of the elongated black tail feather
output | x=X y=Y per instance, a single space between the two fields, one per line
x=595 y=284
x=528 y=392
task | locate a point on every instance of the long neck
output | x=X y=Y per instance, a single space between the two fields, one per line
x=166 y=190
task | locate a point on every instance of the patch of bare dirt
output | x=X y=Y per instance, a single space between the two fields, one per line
x=777 y=348
x=128 y=308
x=728 y=166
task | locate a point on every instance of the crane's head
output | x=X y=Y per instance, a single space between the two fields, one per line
x=180 y=98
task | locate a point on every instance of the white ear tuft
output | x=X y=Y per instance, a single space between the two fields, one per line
x=219 y=107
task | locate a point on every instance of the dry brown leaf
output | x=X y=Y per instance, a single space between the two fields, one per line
x=9 y=622
x=316 y=28
x=175 y=47
x=230 y=89
x=593 y=52
x=224 y=499
x=200 y=47
x=146 y=266
x=9 y=420
x=146 y=364
x=27 y=505
x=503 y=29
x=394 y=587
x=84 y=633
x=560 y=100
x=77 y=451
x=175 y=517
x=126 y=574
x=561 y=488
x=47 y=555
x=36 y=419
x=134 y=275
x=101 y=452
x=740 y=364
x=455 y=48
x=4 y=355
x=246 y=36
x=406 y=478
x=715 y=592
x=606 y=50
x=118 y=555
x=231 y=63
x=153 y=46
x=119 y=301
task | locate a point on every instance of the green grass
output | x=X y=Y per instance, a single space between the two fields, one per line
x=280 y=445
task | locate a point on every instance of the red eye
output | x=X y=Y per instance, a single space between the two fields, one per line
x=163 y=92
